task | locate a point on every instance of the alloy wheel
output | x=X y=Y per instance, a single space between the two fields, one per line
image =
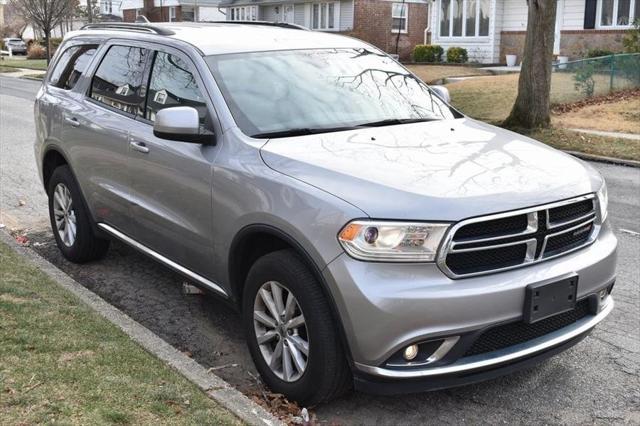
x=65 y=216
x=281 y=331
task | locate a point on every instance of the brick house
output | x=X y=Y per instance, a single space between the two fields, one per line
x=383 y=23
x=491 y=29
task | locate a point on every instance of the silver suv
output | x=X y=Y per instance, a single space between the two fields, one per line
x=370 y=234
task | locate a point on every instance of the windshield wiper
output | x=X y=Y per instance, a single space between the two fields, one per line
x=301 y=132
x=392 y=121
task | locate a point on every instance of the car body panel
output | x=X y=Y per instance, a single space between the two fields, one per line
x=441 y=170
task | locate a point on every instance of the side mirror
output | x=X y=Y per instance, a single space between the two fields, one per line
x=442 y=92
x=180 y=124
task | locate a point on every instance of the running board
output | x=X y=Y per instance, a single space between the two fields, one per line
x=157 y=256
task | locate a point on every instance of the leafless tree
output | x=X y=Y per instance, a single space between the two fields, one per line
x=44 y=14
x=531 y=109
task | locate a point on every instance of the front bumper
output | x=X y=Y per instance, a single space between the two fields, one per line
x=385 y=307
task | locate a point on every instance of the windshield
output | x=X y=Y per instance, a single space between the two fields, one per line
x=284 y=93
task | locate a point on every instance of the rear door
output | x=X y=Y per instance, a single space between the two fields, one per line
x=171 y=180
x=96 y=126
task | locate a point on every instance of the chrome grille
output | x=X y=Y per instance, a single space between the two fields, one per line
x=514 y=239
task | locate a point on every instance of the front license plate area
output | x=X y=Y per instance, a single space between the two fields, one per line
x=546 y=300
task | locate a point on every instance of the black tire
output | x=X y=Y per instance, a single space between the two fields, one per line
x=86 y=246
x=327 y=374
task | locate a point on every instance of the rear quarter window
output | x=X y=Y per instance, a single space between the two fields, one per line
x=73 y=62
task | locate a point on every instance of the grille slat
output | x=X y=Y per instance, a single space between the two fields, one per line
x=561 y=227
x=506 y=335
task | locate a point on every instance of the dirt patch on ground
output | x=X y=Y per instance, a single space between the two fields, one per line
x=611 y=114
x=434 y=73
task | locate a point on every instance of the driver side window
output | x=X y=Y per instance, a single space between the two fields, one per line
x=172 y=84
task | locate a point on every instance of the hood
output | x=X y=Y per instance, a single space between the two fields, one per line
x=440 y=170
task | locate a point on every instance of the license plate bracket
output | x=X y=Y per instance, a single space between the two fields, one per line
x=549 y=299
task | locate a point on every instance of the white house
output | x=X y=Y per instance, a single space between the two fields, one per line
x=489 y=29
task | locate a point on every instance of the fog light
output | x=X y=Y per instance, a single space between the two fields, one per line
x=410 y=352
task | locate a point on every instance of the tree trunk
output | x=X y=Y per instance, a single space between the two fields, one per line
x=89 y=11
x=47 y=36
x=531 y=109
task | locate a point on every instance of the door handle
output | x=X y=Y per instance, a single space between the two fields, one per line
x=139 y=146
x=72 y=121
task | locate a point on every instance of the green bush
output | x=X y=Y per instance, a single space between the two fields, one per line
x=457 y=55
x=427 y=53
x=631 y=40
x=596 y=53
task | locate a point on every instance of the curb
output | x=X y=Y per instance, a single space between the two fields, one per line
x=603 y=159
x=216 y=388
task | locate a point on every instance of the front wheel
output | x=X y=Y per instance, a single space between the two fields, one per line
x=291 y=332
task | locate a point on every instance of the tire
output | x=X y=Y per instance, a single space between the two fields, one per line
x=326 y=374
x=84 y=246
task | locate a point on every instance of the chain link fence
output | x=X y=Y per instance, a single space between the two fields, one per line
x=577 y=80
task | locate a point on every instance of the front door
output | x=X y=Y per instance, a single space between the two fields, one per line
x=171 y=180
x=287 y=13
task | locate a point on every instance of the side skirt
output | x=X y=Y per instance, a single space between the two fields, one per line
x=168 y=262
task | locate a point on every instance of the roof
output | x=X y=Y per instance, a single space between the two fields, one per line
x=222 y=38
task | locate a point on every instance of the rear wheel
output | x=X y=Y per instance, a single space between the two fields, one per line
x=291 y=332
x=70 y=219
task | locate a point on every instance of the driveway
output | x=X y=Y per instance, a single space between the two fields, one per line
x=595 y=382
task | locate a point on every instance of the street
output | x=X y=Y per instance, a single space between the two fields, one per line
x=596 y=381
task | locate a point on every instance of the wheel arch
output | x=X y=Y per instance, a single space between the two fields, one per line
x=253 y=242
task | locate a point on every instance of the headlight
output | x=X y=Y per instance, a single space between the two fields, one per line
x=392 y=241
x=603 y=201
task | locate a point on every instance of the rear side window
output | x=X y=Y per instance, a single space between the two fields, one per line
x=73 y=62
x=118 y=82
x=173 y=84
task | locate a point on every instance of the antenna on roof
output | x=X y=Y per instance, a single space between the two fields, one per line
x=141 y=19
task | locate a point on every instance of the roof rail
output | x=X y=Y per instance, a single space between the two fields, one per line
x=124 y=26
x=268 y=23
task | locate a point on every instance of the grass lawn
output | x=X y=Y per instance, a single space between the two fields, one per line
x=490 y=99
x=62 y=363
x=432 y=73
x=627 y=149
x=34 y=64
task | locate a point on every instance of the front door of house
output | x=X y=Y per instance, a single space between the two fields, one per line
x=556 y=40
x=287 y=13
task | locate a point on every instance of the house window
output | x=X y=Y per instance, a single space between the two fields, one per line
x=324 y=16
x=172 y=14
x=244 y=13
x=399 y=17
x=465 y=18
x=618 y=13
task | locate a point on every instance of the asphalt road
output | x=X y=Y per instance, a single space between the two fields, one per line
x=595 y=382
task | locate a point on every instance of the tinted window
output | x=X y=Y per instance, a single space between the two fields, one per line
x=172 y=84
x=118 y=82
x=71 y=65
